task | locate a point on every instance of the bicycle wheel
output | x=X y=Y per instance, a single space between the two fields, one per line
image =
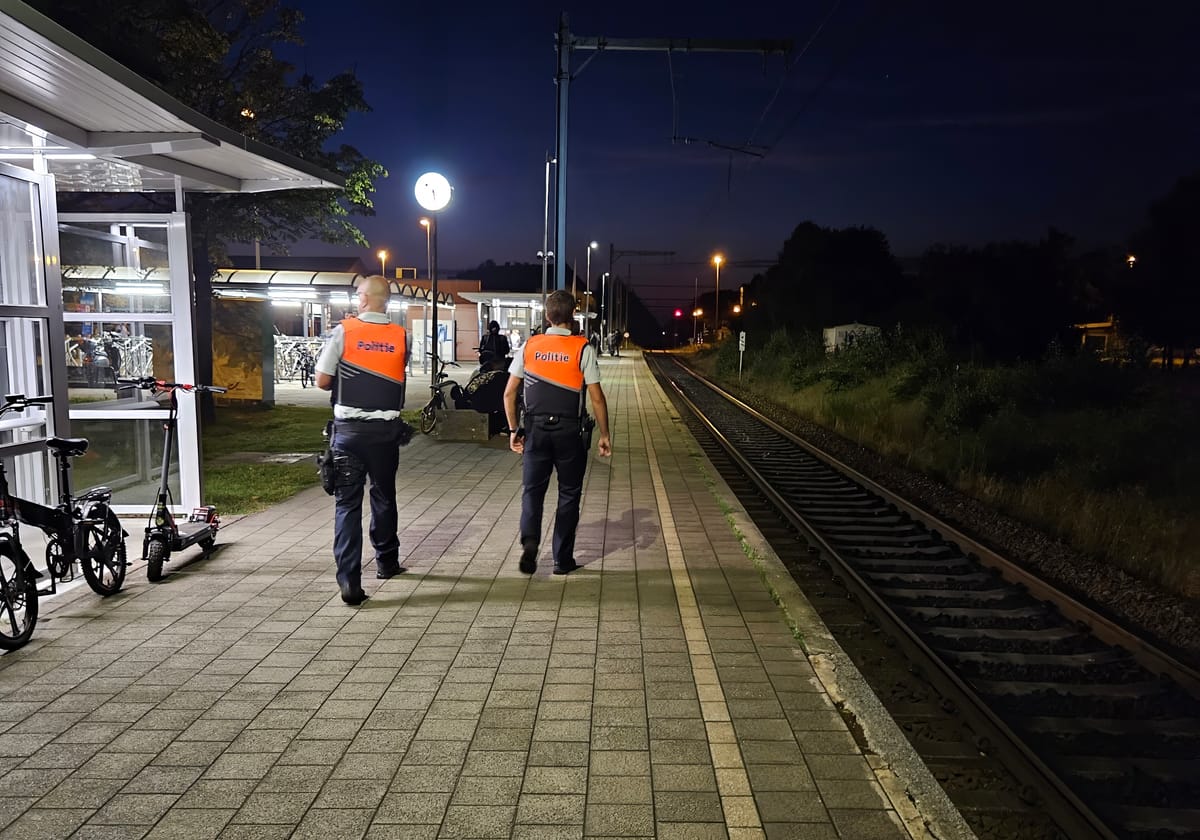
x=18 y=599
x=101 y=550
x=428 y=417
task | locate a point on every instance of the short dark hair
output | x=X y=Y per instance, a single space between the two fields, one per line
x=560 y=306
x=493 y=325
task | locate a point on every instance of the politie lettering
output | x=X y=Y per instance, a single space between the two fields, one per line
x=543 y=356
x=377 y=346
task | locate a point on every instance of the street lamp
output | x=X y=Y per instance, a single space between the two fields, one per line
x=587 y=295
x=383 y=255
x=696 y=313
x=433 y=193
x=717 y=260
x=603 y=300
x=425 y=223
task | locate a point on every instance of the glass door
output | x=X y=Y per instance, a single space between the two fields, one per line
x=28 y=329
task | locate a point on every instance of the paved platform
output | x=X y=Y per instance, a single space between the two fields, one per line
x=659 y=691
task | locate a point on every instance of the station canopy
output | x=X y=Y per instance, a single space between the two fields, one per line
x=70 y=110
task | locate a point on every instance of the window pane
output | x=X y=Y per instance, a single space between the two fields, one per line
x=23 y=368
x=100 y=352
x=125 y=455
x=29 y=478
x=110 y=267
x=21 y=257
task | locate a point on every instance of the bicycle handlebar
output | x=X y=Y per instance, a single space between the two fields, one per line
x=156 y=386
x=19 y=402
x=444 y=362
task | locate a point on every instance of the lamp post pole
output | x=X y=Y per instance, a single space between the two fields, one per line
x=587 y=294
x=425 y=223
x=603 y=299
x=433 y=193
x=717 y=260
x=383 y=255
x=545 y=252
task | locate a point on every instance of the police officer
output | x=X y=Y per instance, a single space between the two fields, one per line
x=366 y=358
x=556 y=367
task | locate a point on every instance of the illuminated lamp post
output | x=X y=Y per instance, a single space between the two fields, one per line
x=433 y=191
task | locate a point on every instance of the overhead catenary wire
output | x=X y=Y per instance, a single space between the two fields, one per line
x=788 y=68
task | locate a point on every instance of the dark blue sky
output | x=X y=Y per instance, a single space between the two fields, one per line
x=933 y=121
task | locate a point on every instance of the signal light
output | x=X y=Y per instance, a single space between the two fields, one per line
x=678 y=313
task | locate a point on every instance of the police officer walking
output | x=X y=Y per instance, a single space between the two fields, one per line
x=557 y=368
x=365 y=357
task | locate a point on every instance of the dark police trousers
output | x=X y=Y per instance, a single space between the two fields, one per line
x=553 y=443
x=376 y=446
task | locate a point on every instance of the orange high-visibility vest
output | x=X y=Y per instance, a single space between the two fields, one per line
x=554 y=374
x=371 y=370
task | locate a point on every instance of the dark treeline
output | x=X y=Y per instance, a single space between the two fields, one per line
x=1002 y=301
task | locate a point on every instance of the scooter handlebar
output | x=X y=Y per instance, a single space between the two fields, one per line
x=153 y=385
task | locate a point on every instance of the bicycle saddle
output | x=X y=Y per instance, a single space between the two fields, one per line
x=68 y=446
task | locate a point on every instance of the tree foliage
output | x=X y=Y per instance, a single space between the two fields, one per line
x=827 y=276
x=1160 y=295
x=220 y=58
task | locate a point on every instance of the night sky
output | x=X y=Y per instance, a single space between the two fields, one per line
x=933 y=121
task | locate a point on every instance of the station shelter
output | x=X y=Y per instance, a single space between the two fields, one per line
x=87 y=297
x=517 y=313
x=250 y=348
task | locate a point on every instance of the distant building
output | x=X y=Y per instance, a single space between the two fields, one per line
x=843 y=336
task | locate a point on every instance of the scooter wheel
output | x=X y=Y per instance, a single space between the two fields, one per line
x=156 y=555
x=207 y=544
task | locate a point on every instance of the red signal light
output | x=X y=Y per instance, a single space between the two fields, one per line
x=678 y=313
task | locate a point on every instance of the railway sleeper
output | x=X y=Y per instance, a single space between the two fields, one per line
x=875 y=520
x=1021 y=618
x=1146 y=699
x=1157 y=823
x=1046 y=640
x=969 y=580
x=999 y=597
x=917 y=565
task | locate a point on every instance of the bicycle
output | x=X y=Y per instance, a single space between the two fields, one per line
x=308 y=367
x=437 y=400
x=80 y=529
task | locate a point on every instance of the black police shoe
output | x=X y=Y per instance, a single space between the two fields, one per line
x=529 y=550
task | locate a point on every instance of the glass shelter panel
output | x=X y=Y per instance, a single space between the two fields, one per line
x=21 y=254
x=125 y=455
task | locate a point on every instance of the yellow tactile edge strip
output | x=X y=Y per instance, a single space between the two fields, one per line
x=733 y=784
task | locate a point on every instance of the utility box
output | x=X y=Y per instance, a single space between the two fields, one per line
x=460 y=425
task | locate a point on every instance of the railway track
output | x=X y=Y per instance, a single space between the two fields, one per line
x=1100 y=730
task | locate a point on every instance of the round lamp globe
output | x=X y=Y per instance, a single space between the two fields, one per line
x=432 y=191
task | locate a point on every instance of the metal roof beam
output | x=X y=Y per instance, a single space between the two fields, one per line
x=68 y=134
x=227 y=183
x=133 y=143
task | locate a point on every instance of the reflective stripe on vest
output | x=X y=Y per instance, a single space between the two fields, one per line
x=371 y=370
x=554 y=374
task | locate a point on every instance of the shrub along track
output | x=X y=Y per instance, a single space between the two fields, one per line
x=1098 y=730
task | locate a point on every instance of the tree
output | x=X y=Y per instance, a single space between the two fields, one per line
x=828 y=276
x=1007 y=299
x=1161 y=296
